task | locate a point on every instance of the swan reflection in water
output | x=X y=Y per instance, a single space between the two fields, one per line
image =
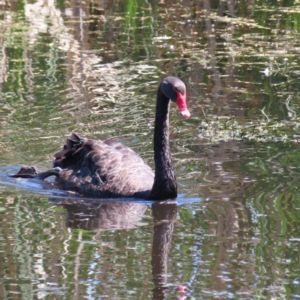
x=101 y=215
x=98 y=215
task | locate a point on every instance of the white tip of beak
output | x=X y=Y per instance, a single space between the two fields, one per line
x=185 y=113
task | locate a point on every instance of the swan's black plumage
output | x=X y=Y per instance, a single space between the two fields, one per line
x=109 y=169
x=102 y=169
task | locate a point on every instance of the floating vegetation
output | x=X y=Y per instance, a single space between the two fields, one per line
x=228 y=128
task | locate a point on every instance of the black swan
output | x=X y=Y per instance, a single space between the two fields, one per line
x=108 y=169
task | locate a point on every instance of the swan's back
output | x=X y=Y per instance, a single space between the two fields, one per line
x=102 y=169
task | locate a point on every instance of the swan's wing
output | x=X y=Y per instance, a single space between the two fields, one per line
x=102 y=169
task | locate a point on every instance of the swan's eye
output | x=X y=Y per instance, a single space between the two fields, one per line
x=175 y=89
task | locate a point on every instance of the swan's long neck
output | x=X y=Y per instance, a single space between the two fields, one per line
x=165 y=186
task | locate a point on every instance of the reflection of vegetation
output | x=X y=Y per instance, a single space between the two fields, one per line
x=274 y=205
x=243 y=81
x=138 y=27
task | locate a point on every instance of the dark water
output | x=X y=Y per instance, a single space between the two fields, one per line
x=94 y=67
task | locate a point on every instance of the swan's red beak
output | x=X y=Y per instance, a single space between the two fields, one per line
x=181 y=103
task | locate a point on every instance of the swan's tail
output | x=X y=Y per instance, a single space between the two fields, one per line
x=27 y=172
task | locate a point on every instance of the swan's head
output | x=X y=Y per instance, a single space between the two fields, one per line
x=175 y=90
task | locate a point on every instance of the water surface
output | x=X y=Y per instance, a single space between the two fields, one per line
x=94 y=67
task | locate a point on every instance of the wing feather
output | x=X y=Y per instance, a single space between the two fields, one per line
x=102 y=168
